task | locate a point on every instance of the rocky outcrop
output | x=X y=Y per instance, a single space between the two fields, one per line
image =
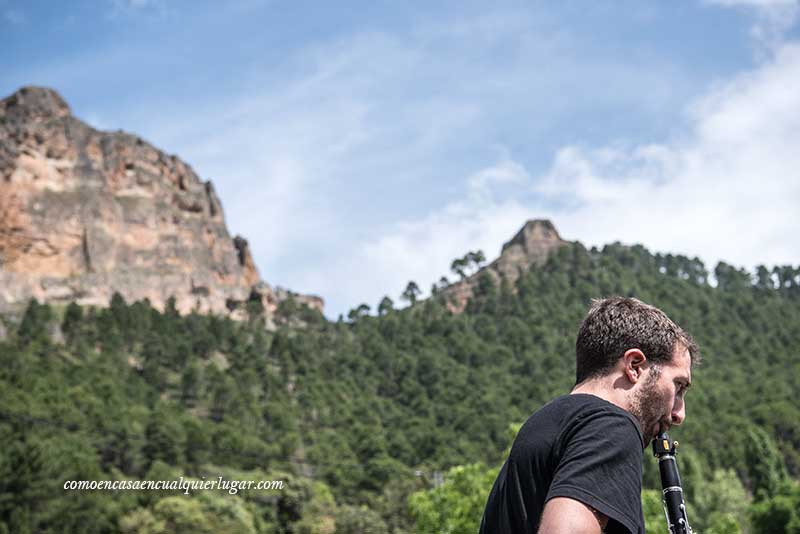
x=85 y=213
x=531 y=246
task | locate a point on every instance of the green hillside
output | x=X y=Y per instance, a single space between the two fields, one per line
x=356 y=416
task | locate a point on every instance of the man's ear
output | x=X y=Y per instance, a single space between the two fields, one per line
x=634 y=361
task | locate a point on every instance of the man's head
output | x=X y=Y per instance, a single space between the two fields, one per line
x=616 y=324
x=649 y=356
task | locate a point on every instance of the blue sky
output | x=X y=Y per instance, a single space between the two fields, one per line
x=359 y=145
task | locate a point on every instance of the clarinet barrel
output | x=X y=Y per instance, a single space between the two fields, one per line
x=672 y=491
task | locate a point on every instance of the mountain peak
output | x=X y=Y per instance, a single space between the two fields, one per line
x=530 y=246
x=534 y=234
x=87 y=213
x=35 y=102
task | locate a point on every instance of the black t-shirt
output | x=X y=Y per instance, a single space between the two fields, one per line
x=577 y=446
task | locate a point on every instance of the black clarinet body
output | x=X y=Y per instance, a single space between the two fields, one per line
x=672 y=491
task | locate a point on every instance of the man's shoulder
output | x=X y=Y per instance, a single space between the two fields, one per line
x=576 y=410
x=576 y=404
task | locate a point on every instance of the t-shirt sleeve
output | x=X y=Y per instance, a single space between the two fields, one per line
x=601 y=466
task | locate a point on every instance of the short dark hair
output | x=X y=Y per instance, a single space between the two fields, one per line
x=616 y=324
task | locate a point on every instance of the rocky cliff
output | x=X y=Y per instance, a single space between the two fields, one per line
x=531 y=246
x=85 y=213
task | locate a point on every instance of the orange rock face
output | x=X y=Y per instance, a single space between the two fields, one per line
x=85 y=213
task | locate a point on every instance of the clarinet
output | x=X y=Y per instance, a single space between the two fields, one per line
x=672 y=493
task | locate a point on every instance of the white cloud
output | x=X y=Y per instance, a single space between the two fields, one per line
x=773 y=18
x=729 y=189
x=483 y=183
x=422 y=250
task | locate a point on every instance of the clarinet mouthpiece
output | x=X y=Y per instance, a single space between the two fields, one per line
x=663 y=445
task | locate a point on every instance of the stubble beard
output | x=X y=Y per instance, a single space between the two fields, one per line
x=647 y=405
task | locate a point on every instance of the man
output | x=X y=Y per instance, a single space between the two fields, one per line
x=576 y=465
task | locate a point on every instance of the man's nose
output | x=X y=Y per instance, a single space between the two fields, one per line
x=678 y=412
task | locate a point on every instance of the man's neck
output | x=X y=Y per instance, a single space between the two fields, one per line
x=601 y=387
